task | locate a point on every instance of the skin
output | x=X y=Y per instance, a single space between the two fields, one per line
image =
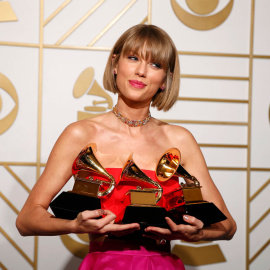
x=138 y=80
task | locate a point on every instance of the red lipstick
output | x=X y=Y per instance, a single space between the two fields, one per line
x=137 y=84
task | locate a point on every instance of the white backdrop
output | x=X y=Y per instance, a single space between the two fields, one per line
x=224 y=101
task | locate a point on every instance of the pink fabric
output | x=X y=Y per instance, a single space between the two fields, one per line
x=123 y=256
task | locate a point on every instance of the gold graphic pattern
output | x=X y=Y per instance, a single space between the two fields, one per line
x=202 y=7
x=8 y=120
x=11 y=206
x=7 y=14
x=186 y=253
x=96 y=88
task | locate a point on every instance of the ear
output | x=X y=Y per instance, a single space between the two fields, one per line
x=115 y=67
x=162 y=87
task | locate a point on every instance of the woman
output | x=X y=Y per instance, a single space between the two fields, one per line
x=143 y=70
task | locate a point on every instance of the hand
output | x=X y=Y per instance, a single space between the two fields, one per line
x=190 y=233
x=87 y=222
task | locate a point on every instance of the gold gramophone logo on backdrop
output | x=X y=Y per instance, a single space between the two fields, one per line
x=202 y=17
x=85 y=84
x=7 y=117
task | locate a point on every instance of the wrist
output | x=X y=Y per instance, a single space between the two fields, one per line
x=72 y=226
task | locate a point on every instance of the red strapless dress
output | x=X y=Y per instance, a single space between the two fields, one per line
x=117 y=200
x=130 y=254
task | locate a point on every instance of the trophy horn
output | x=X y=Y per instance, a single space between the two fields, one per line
x=132 y=171
x=169 y=165
x=86 y=161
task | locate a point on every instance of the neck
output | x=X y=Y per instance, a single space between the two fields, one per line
x=132 y=111
x=129 y=121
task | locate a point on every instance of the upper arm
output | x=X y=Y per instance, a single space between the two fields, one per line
x=58 y=169
x=194 y=162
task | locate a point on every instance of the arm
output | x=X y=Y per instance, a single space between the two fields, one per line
x=193 y=161
x=34 y=219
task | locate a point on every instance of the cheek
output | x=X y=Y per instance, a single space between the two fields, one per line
x=120 y=80
x=121 y=72
x=158 y=80
x=117 y=81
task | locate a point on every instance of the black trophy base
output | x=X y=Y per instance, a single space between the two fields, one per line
x=68 y=205
x=207 y=212
x=146 y=216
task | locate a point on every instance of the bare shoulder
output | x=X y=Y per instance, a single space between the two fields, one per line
x=85 y=129
x=78 y=135
x=178 y=134
x=181 y=138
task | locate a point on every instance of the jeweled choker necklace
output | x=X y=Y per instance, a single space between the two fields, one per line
x=131 y=123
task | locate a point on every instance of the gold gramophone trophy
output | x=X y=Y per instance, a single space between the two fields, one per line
x=86 y=190
x=143 y=208
x=207 y=212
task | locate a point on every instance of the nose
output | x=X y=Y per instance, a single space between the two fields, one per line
x=141 y=69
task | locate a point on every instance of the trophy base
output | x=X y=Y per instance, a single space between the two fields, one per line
x=68 y=205
x=207 y=212
x=146 y=216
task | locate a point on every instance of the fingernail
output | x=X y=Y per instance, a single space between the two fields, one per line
x=185 y=217
x=101 y=211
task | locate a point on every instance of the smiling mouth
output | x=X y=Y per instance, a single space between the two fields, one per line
x=137 y=84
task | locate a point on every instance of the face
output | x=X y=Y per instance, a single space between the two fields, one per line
x=138 y=79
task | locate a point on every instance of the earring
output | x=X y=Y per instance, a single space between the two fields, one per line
x=114 y=72
x=162 y=88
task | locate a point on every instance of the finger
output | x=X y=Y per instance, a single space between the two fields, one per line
x=173 y=226
x=180 y=229
x=106 y=220
x=122 y=227
x=89 y=218
x=107 y=212
x=193 y=221
x=90 y=214
x=158 y=230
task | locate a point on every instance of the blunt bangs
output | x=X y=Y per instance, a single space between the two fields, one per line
x=151 y=46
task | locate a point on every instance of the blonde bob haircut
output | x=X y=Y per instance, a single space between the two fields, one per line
x=153 y=44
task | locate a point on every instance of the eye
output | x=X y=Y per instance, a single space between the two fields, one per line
x=156 y=65
x=132 y=57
